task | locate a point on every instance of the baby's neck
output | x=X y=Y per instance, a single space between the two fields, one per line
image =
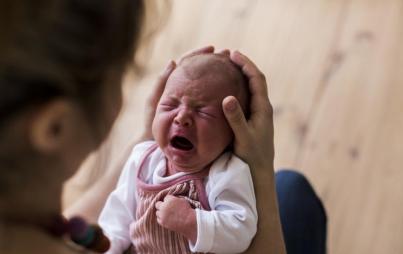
x=171 y=170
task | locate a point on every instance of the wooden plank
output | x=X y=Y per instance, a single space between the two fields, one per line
x=353 y=150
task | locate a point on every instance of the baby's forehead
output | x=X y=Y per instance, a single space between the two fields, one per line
x=210 y=75
x=207 y=66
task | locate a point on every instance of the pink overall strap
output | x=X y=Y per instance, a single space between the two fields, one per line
x=147 y=153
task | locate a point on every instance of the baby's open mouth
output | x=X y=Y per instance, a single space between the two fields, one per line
x=181 y=143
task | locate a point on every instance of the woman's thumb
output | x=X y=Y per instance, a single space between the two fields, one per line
x=235 y=117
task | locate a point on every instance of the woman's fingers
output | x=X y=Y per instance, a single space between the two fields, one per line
x=203 y=50
x=153 y=99
x=225 y=52
x=253 y=137
x=160 y=86
x=256 y=78
x=257 y=82
x=236 y=119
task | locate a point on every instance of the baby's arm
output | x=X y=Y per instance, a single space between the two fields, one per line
x=118 y=212
x=231 y=224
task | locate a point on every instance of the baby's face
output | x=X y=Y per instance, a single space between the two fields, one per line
x=189 y=125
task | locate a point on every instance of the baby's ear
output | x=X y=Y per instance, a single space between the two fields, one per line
x=52 y=125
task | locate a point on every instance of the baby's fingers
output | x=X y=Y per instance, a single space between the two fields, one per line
x=158 y=205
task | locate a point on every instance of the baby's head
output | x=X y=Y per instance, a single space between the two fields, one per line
x=189 y=125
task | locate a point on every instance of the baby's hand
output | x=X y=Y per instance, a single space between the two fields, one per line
x=177 y=215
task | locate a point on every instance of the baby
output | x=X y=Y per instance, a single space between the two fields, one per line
x=186 y=192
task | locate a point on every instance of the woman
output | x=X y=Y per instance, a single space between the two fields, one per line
x=60 y=65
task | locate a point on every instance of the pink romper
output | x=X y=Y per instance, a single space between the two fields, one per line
x=146 y=234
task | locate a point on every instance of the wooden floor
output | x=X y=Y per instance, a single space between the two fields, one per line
x=335 y=71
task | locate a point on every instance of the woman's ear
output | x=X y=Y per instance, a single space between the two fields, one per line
x=53 y=125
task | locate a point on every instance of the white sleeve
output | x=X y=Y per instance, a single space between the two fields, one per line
x=232 y=222
x=119 y=210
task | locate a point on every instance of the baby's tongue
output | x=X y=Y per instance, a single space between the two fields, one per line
x=182 y=143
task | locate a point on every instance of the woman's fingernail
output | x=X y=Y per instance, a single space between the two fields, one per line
x=231 y=105
x=236 y=54
x=240 y=54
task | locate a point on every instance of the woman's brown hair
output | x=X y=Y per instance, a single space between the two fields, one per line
x=52 y=48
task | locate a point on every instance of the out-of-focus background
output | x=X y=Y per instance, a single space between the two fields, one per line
x=335 y=72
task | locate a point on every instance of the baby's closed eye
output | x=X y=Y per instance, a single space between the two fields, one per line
x=167 y=106
x=207 y=112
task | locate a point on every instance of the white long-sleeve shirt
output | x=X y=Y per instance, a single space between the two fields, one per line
x=228 y=228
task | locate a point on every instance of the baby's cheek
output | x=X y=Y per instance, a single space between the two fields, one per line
x=227 y=134
x=154 y=127
x=219 y=135
x=159 y=128
x=224 y=126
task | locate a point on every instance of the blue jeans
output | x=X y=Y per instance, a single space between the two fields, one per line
x=302 y=215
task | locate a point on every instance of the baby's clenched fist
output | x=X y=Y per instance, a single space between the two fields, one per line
x=176 y=214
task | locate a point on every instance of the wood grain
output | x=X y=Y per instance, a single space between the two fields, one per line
x=335 y=80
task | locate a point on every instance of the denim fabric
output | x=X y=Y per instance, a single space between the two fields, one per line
x=303 y=217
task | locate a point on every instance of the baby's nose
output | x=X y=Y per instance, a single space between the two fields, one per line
x=184 y=118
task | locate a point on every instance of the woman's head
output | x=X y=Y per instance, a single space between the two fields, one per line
x=65 y=48
x=61 y=63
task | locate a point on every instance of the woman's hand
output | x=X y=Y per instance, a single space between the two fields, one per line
x=254 y=144
x=153 y=99
x=253 y=137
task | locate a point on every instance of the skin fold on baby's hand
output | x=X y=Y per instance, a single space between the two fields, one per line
x=176 y=214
